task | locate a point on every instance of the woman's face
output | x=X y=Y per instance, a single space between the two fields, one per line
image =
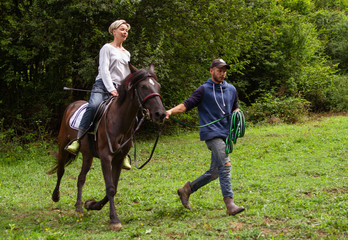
x=121 y=32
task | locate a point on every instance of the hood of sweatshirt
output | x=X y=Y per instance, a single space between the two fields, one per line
x=218 y=91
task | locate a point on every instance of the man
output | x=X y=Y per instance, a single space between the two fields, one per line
x=214 y=99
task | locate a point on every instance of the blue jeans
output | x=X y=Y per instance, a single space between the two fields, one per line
x=218 y=169
x=98 y=95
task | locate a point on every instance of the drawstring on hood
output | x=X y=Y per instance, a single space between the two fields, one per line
x=211 y=107
x=222 y=96
x=223 y=101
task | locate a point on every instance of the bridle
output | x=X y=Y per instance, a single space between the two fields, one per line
x=146 y=98
x=145 y=113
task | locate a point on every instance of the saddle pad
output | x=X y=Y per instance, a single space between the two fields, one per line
x=75 y=119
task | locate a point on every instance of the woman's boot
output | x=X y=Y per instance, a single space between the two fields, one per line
x=74 y=146
x=126 y=163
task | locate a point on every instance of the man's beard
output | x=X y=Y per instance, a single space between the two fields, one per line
x=217 y=79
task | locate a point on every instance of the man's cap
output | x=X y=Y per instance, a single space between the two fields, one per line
x=219 y=63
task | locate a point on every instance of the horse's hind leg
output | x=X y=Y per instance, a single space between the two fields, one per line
x=60 y=172
x=86 y=166
x=92 y=204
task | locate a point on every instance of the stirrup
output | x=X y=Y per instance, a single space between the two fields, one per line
x=73 y=146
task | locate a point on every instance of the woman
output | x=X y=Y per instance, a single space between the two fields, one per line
x=113 y=68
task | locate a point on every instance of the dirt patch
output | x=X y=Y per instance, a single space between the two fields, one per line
x=337 y=190
x=236 y=226
x=318 y=116
x=175 y=235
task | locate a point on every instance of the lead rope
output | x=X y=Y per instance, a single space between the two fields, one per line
x=188 y=125
x=237 y=128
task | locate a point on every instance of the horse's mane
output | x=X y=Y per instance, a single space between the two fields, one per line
x=132 y=79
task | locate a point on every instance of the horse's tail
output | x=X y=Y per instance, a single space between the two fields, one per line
x=67 y=162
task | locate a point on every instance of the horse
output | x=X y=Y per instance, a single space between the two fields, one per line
x=140 y=90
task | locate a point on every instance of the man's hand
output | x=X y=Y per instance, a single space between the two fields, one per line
x=168 y=113
x=175 y=110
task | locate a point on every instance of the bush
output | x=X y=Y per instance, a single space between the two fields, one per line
x=268 y=108
x=338 y=97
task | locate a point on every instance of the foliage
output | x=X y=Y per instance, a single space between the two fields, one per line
x=290 y=48
x=287 y=110
x=292 y=180
x=338 y=97
x=333 y=27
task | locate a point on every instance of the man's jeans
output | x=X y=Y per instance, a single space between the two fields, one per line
x=98 y=95
x=218 y=169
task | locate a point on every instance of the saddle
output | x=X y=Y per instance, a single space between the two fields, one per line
x=100 y=111
x=75 y=119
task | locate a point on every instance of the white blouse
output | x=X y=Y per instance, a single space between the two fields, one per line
x=113 y=66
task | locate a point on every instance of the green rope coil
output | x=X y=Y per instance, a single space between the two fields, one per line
x=237 y=130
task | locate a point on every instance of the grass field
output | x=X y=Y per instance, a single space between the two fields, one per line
x=292 y=180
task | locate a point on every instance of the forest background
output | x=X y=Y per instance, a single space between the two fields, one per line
x=288 y=57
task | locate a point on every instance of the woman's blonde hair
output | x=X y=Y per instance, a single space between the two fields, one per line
x=116 y=24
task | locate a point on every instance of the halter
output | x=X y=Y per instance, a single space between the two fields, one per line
x=145 y=99
x=130 y=86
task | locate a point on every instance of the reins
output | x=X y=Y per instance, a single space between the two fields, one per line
x=237 y=128
x=144 y=114
x=153 y=150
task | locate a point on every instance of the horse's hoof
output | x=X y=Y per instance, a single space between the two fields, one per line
x=55 y=197
x=116 y=227
x=89 y=203
x=79 y=213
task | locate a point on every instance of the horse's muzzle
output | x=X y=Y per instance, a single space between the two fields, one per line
x=158 y=116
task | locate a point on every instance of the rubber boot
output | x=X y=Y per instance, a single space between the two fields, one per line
x=126 y=163
x=184 y=194
x=232 y=209
x=73 y=147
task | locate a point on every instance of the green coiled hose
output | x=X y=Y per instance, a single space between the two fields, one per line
x=237 y=130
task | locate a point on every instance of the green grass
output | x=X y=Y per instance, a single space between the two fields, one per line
x=292 y=179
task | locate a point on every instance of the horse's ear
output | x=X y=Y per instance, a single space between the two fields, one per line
x=132 y=68
x=152 y=68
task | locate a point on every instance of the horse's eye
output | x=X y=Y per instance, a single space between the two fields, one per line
x=144 y=87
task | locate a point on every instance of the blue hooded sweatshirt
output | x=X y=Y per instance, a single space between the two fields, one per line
x=213 y=102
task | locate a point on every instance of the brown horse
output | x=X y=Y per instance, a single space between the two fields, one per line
x=140 y=90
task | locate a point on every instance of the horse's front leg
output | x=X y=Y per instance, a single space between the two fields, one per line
x=115 y=223
x=111 y=176
x=86 y=166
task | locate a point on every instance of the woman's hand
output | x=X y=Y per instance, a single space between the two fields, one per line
x=114 y=93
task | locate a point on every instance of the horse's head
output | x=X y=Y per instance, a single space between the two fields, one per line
x=143 y=84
